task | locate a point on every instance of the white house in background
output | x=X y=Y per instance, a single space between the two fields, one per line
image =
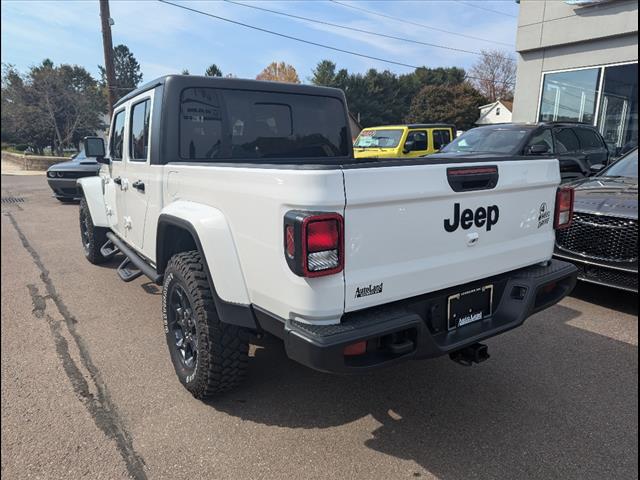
x=496 y=112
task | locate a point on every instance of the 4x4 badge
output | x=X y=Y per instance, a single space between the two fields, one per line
x=544 y=216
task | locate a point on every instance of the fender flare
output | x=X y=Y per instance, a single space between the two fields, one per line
x=212 y=235
x=93 y=192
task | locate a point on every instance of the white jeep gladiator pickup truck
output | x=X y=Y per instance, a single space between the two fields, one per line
x=243 y=200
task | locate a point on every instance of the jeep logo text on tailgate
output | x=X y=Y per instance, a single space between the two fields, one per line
x=481 y=217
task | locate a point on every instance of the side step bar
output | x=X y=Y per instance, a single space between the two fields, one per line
x=127 y=271
x=108 y=250
x=141 y=267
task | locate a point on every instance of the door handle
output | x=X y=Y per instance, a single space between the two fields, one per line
x=138 y=185
x=117 y=181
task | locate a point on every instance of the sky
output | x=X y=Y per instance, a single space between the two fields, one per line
x=166 y=39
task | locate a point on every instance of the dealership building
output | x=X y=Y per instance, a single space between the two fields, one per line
x=578 y=62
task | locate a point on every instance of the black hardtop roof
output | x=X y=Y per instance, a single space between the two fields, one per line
x=180 y=82
x=414 y=125
x=430 y=125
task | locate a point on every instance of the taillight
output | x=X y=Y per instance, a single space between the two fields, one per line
x=314 y=243
x=564 y=208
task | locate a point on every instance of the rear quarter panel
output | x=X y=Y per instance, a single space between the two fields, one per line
x=254 y=202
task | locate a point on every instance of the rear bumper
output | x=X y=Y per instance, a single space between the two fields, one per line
x=420 y=322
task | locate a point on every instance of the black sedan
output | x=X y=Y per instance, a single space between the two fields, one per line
x=62 y=176
x=602 y=240
x=580 y=148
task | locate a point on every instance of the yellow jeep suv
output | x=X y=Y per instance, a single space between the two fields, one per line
x=403 y=141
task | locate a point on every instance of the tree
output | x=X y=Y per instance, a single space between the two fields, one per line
x=439 y=76
x=279 y=72
x=127 y=69
x=213 y=71
x=494 y=75
x=51 y=105
x=20 y=120
x=457 y=104
x=324 y=74
x=383 y=98
x=185 y=72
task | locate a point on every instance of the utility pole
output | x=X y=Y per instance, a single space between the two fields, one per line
x=107 y=45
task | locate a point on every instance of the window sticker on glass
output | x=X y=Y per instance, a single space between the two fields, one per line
x=379 y=139
x=238 y=128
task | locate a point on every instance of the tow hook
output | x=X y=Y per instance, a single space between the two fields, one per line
x=476 y=353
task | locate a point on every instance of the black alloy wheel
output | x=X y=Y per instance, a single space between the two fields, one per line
x=85 y=226
x=92 y=237
x=182 y=327
x=209 y=356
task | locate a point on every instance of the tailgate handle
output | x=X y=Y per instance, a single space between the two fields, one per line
x=466 y=179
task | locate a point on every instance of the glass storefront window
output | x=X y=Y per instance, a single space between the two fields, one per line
x=574 y=96
x=618 y=117
x=570 y=96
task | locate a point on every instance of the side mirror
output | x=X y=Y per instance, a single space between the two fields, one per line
x=408 y=146
x=597 y=168
x=94 y=147
x=538 y=149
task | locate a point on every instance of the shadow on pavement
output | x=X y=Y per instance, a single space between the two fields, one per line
x=620 y=300
x=552 y=402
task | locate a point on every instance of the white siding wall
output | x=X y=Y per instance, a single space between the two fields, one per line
x=497 y=113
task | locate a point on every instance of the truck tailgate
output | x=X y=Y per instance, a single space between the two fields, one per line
x=407 y=232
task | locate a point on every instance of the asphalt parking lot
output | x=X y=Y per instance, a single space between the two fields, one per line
x=88 y=390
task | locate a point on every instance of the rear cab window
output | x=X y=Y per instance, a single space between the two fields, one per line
x=220 y=124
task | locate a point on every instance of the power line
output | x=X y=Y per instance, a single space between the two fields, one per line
x=471 y=4
x=287 y=36
x=368 y=32
x=405 y=21
x=495 y=82
x=297 y=39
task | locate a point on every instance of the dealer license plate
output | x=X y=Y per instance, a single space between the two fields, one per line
x=470 y=306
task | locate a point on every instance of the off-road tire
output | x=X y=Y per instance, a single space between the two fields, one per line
x=222 y=349
x=95 y=238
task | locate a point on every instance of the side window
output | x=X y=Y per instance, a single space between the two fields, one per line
x=117 y=137
x=139 y=131
x=441 y=138
x=567 y=141
x=419 y=139
x=542 y=138
x=589 y=140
